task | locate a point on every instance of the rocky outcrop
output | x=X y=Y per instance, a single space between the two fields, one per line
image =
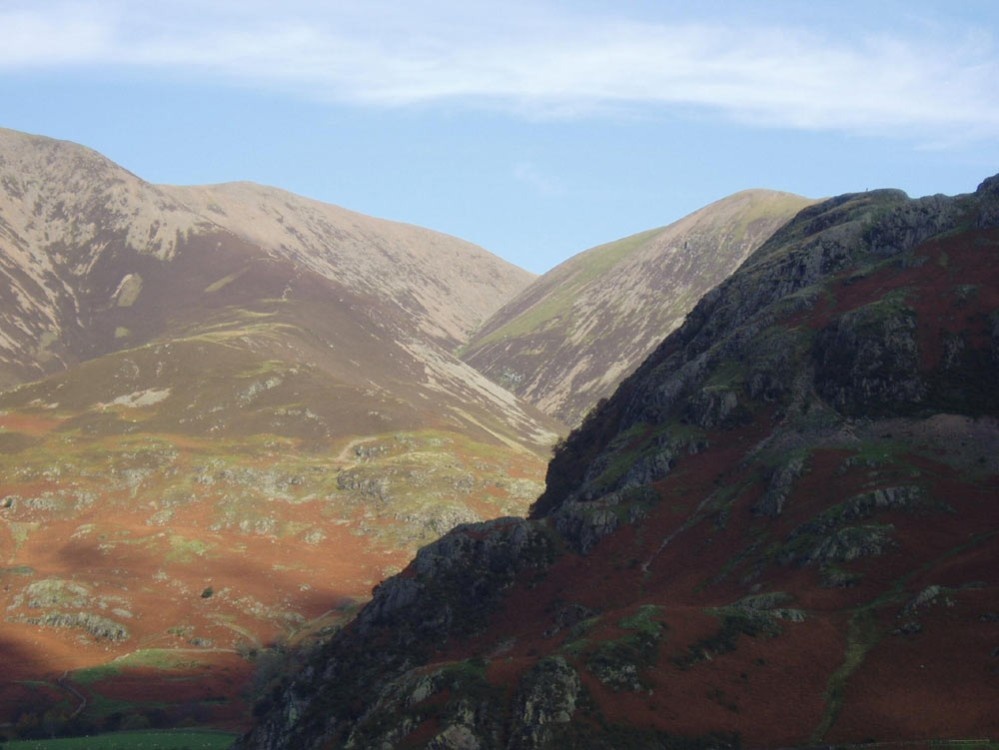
x=909 y=497
x=583 y=524
x=867 y=360
x=540 y=710
x=463 y=574
x=100 y=627
x=449 y=590
x=842 y=545
x=779 y=487
x=743 y=347
x=546 y=700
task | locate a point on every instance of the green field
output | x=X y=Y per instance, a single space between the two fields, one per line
x=179 y=740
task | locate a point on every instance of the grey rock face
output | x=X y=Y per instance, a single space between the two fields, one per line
x=101 y=628
x=547 y=698
x=586 y=523
x=779 y=487
x=867 y=362
x=472 y=565
x=906 y=497
x=399 y=707
x=449 y=590
x=851 y=543
x=713 y=407
x=988 y=215
x=458 y=737
x=583 y=524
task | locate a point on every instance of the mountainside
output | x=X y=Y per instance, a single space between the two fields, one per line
x=780 y=531
x=95 y=259
x=568 y=339
x=228 y=412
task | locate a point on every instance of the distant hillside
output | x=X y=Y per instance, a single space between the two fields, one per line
x=95 y=260
x=568 y=339
x=227 y=413
x=780 y=531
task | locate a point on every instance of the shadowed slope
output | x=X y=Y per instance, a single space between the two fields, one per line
x=780 y=531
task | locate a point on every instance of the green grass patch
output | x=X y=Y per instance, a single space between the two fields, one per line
x=17 y=570
x=862 y=635
x=176 y=740
x=735 y=622
x=645 y=620
x=729 y=375
x=587 y=267
x=152 y=658
x=225 y=281
x=879 y=453
x=620 y=664
x=185 y=550
x=578 y=640
x=100 y=706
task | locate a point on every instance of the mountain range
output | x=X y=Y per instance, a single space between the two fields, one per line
x=779 y=531
x=227 y=412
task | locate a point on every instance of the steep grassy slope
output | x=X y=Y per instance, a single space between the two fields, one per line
x=780 y=531
x=228 y=413
x=567 y=340
x=447 y=286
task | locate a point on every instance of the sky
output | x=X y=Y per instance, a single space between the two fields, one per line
x=534 y=128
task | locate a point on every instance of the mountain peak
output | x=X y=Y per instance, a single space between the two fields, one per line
x=570 y=337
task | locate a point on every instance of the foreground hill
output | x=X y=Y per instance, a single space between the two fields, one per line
x=568 y=339
x=228 y=412
x=780 y=531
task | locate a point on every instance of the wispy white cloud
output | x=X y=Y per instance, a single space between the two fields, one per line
x=530 y=174
x=533 y=59
x=74 y=34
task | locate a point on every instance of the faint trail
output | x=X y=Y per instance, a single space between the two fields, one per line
x=192 y=650
x=344 y=456
x=65 y=685
x=694 y=519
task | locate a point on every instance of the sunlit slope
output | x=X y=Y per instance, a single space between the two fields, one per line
x=226 y=412
x=567 y=340
x=94 y=259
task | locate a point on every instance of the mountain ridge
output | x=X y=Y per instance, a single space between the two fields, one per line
x=570 y=337
x=91 y=208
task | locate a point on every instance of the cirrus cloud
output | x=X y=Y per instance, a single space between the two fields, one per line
x=533 y=60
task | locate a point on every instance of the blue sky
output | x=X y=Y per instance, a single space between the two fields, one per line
x=535 y=129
